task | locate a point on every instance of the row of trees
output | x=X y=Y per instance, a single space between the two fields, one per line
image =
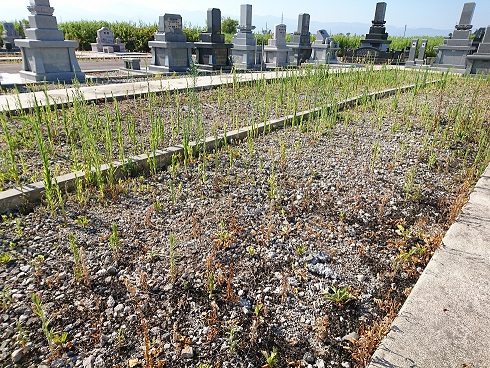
x=137 y=35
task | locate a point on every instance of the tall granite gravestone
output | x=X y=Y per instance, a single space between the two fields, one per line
x=455 y=50
x=45 y=53
x=324 y=48
x=413 y=52
x=300 y=44
x=479 y=62
x=212 y=53
x=9 y=36
x=170 y=52
x=245 y=53
x=105 y=42
x=277 y=52
x=377 y=37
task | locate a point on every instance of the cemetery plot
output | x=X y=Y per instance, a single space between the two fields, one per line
x=87 y=135
x=300 y=244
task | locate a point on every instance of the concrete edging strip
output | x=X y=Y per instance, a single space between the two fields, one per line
x=446 y=318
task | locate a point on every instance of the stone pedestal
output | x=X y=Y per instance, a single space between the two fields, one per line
x=45 y=53
x=105 y=42
x=300 y=44
x=455 y=49
x=245 y=53
x=276 y=51
x=479 y=62
x=212 y=53
x=324 y=49
x=170 y=51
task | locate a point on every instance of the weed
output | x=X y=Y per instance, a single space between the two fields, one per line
x=6 y=258
x=233 y=341
x=53 y=338
x=22 y=336
x=339 y=295
x=82 y=221
x=80 y=268
x=114 y=241
x=271 y=358
x=300 y=249
x=5 y=297
x=257 y=309
x=251 y=251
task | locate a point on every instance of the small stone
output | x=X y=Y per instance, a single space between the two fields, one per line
x=361 y=278
x=119 y=309
x=17 y=356
x=309 y=358
x=345 y=364
x=111 y=302
x=112 y=271
x=320 y=363
x=187 y=352
x=99 y=362
x=350 y=337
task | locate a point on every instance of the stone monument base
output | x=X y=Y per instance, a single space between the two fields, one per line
x=49 y=61
x=170 y=56
x=478 y=64
x=299 y=54
x=453 y=57
x=247 y=57
x=213 y=56
x=276 y=57
x=324 y=54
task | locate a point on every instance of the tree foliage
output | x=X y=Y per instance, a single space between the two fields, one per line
x=229 y=25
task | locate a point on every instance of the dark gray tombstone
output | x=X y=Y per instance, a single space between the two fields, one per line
x=245 y=53
x=170 y=51
x=412 y=53
x=212 y=53
x=479 y=62
x=456 y=48
x=46 y=55
x=466 y=17
x=380 y=14
x=300 y=44
x=377 y=38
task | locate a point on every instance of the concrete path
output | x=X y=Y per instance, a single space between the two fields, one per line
x=445 y=321
x=91 y=93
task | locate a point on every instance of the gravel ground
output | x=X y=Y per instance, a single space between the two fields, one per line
x=242 y=250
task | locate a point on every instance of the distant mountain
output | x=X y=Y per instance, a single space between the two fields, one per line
x=263 y=22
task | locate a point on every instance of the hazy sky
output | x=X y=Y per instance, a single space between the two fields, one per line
x=440 y=14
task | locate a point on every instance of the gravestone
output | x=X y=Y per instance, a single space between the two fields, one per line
x=105 y=41
x=413 y=52
x=212 y=53
x=245 y=53
x=277 y=52
x=455 y=50
x=420 y=60
x=170 y=52
x=46 y=55
x=300 y=44
x=479 y=62
x=324 y=49
x=377 y=37
x=9 y=36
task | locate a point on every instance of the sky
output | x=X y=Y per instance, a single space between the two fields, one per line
x=437 y=14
